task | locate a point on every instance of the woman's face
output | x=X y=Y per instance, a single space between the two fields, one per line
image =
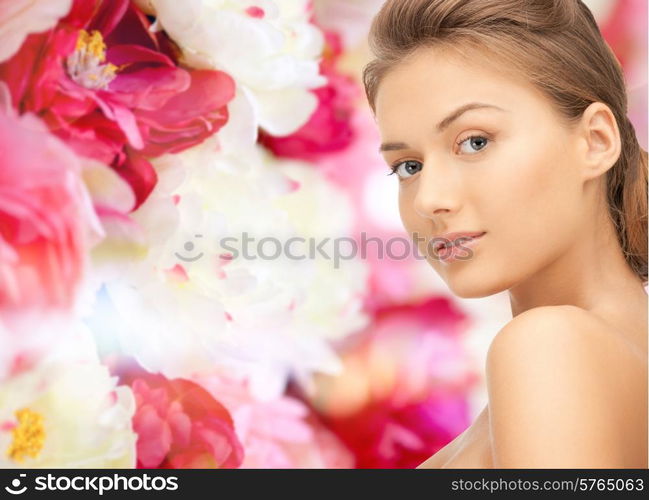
x=516 y=180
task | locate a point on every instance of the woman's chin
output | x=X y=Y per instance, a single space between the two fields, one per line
x=472 y=285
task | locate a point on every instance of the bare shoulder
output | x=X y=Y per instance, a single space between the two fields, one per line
x=546 y=319
x=566 y=329
x=563 y=388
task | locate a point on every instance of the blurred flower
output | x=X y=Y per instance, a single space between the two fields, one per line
x=180 y=425
x=329 y=128
x=66 y=411
x=112 y=91
x=268 y=46
x=19 y=18
x=388 y=436
x=47 y=222
x=190 y=302
x=403 y=393
x=282 y=433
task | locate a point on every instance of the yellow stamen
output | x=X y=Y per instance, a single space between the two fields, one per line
x=87 y=64
x=28 y=436
x=93 y=43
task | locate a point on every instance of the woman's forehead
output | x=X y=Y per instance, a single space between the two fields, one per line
x=431 y=82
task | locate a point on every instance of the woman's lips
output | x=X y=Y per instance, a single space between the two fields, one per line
x=457 y=238
x=457 y=247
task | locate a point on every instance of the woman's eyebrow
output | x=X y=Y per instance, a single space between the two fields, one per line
x=396 y=146
x=393 y=146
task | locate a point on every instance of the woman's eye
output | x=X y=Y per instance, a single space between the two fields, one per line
x=406 y=168
x=473 y=144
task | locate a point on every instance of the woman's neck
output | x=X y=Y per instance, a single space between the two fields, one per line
x=592 y=274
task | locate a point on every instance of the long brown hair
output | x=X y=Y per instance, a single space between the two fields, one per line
x=554 y=44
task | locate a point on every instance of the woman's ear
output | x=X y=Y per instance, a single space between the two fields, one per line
x=599 y=140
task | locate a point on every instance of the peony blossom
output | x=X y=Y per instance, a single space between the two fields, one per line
x=66 y=411
x=269 y=47
x=329 y=127
x=47 y=223
x=180 y=425
x=282 y=433
x=114 y=92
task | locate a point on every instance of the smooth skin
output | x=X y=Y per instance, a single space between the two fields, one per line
x=567 y=376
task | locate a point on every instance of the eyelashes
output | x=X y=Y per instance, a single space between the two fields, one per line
x=471 y=138
x=396 y=168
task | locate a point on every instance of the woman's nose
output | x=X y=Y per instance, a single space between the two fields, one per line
x=435 y=196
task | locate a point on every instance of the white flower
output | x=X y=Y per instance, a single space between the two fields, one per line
x=66 y=412
x=268 y=46
x=332 y=308
x=19 y=18
x=195 y=302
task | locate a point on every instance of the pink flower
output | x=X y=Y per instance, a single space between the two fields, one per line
x=113 y=91
x=189 y=117
x=403 y=392
x=282 y=433
x=180 y=425
x=45 y=217
x=328 y=128
x=388 y=436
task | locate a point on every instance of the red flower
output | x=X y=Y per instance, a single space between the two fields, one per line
x=180 y=425
x=113 y=91
x=329 y=128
